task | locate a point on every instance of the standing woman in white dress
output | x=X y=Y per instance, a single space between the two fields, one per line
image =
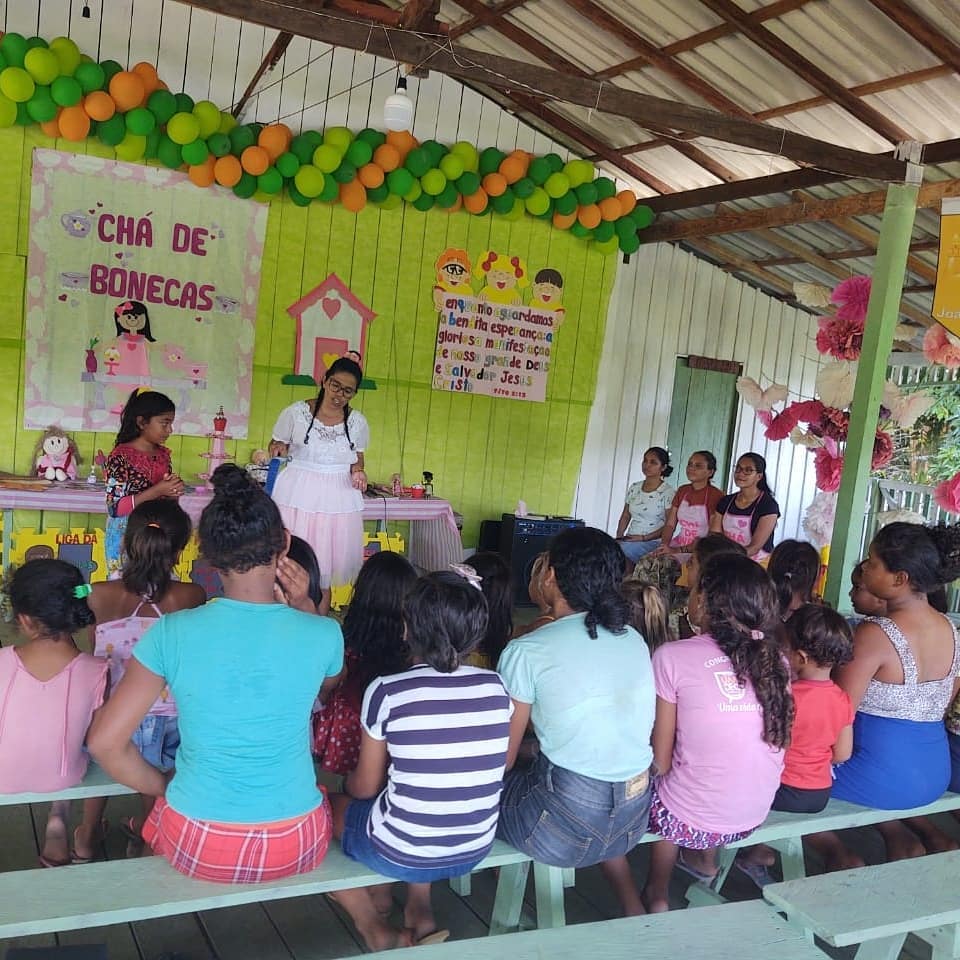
x=320 y=493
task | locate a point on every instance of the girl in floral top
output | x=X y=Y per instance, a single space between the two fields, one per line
x=138 y=469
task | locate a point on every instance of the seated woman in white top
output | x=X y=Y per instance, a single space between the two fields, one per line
x=647 y=503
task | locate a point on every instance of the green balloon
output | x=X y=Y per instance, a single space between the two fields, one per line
x=153 y=143
x=91 y=77
x=447 y=197
x=391 y=202
x=490 y=160
x=606 y=188
x=524 y=188
x=372 y=137
x=314 y=137
x=8 y=111
x=538 y=203
x=642 y=216
x=452 y=167
x=112 y=131
x=309 y=181
x=624 y=226
x=469 y=183
x=41 y=106
x=287 y=164
x=606 y=246
x=330 y=191
x=415 y=191
x=240 y=138
x=378 y=194
x=554 y=161
x=345 y=172
x=67 y=54
x=183 y=128
x=326 y=158
x=23 y=115
x=246 y=186
x=36 y=43
x=185 y=103
x=424 y=202
x=359 y=153
x=400 y=182
x=604 y=230
x=339 y=138
x=629 y=244
x=162 y=104
x=468 y=154
x=66 y=91
x=195 y=152
x=566 y=204
x=168 y=153
x=270 y=181
x=110 y=69
x=17 y=84
x=302 y=148
x=579 y=230
x=132 y=147
x=218 y=144
x=140 y=121
x=539 y=170
x=14 y=48
x=504 y=203
x=3 y=61
x=435 y=151
x=556 y=185
x=297 y=197
x=433 y=182
x=586 y=193
x=418 y=162
x=42 y=65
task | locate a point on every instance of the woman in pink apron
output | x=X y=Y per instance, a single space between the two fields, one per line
x=749 y=516
x=688 y=517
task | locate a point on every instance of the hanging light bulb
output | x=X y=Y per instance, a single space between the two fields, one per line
x=398 y=108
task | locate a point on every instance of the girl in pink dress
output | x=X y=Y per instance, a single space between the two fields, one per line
x=49 y=691
x=133 y=335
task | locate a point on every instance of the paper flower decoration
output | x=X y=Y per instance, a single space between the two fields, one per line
x=835 y=382
x=813 y=295
x=754 y=396
x=900 y=516
x=882 y=450
x=828 y=465
x=802 y=438
x=947 y=494
x=852 y=297
x=906 y=408
x=941 y=347
x=840 y=338
x=818 y=519
x=834 y=424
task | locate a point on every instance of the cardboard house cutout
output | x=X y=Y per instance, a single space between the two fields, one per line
x=330 y=321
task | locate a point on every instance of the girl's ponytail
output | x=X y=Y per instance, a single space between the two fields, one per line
x=54 y=594
x=648 y=612
x=157 y=533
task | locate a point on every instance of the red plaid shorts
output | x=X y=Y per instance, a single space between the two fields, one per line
x=239 y=853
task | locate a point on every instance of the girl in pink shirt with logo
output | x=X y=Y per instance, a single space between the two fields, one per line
x=724 y=713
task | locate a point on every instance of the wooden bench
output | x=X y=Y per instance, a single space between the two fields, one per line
x=95 y=784
x=741 y=931
x=121 y=891
x=785 y=832
x=878 y=906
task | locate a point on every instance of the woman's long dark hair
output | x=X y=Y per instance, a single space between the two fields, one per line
x=142 y=403
x=794 y=568
x=495 y=583
x=760 y=465
x=373 y=625
x=588 y=566
x=156 y=534
x=741 y=603
x=340 y=365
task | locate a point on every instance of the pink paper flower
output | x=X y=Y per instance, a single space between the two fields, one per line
x=852 y=297
x=939 y=348
x=947 y=494
x=829 y=467
x=840 y=338
x=803 y=411
x=882 y=450
x=835 y=424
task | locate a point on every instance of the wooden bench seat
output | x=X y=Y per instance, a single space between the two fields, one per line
x=121 y=891
x=878 y=906
x=95 y=784
x=737 y=931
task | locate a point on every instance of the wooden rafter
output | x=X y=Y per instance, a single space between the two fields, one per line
x=420 y=15
x=272 y=57
x=922 y=30
x=484 y=17
x=730 y=260
x=803 y=211
x=475 y=66
x=855 y=229
x=807 y=71
x=853 y=253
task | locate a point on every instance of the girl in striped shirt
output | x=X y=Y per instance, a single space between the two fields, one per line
x=423 y=802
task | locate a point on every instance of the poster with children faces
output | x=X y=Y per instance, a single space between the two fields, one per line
x=497 y=325
x=138 y=278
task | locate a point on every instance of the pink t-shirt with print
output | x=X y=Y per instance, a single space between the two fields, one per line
x=724 y=775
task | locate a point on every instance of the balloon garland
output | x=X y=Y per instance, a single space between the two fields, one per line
x=71 y=96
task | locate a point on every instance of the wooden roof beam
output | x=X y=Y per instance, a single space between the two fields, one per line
x=804 y=211
x=503 y=73
x=855 y=253
x=922 y=30
x=484 y=17
x=729 y=260
x=807 y=71
x=858 y=231
x=277 y=49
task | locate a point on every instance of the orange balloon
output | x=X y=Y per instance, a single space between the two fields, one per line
x=227 y=171
x=370 y=175
x=255 y=160
x=202 y=173
x=387 y=157
x=147 y=73
x=564 y=221
x=495 y=184
x=523 y=157
x=52 y=127
x=403 y=140
x=128 y=90
x=610 y=208
x=476 y=202
x=627 y=200
x=512 y=169
x=353 y=196
x=99 y=105
x=275 y=139
x=589 y=216
x=74 y=123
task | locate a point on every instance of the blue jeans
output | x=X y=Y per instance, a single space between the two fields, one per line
x=565 y=819
x=157 y=739
x=635 y=549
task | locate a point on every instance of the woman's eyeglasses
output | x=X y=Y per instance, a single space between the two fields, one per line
x=340 y=389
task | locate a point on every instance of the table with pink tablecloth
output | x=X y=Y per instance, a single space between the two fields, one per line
x=434 y=541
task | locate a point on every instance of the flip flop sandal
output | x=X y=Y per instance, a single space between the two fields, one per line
x=51 y=863
x=759 y=873
x=707 y=879
x=128 y=829
x=75 y=857
x=438 y=936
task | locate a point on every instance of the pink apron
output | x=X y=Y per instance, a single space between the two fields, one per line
x=737 y=529
x=693 y=522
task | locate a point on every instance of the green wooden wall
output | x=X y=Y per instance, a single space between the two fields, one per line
x=484 y=453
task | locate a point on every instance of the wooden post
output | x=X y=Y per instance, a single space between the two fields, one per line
x=893 y=248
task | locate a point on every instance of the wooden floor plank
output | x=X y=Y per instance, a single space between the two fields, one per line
x=244 y=933
x=311 y=929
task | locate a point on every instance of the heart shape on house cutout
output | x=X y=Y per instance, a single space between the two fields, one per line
x=331 y=306
x=329 y=359
x=62 y=298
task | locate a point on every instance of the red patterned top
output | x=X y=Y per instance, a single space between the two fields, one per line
x=129 y=471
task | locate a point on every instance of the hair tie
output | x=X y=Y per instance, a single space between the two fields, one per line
x=756 y=634
x=152 y=524
x=142 y=390
x=83 y=591
x=468 y=573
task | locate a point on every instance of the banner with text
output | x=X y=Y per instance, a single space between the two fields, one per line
x=946 y=298
x=137 y=278
x=489 y=341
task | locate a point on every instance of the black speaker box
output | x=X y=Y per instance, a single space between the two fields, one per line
x=489 y=536
x=521 y=539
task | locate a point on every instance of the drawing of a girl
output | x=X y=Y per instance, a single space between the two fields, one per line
x=133 y=334
x=502 y=276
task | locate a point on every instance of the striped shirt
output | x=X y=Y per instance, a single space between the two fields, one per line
x=447 y=736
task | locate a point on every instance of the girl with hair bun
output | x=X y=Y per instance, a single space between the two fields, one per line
x=243 y=804
x=50 y=691
x=645 y=510
x=585 y=683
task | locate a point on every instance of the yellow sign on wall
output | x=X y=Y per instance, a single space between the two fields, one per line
x=946 y=299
